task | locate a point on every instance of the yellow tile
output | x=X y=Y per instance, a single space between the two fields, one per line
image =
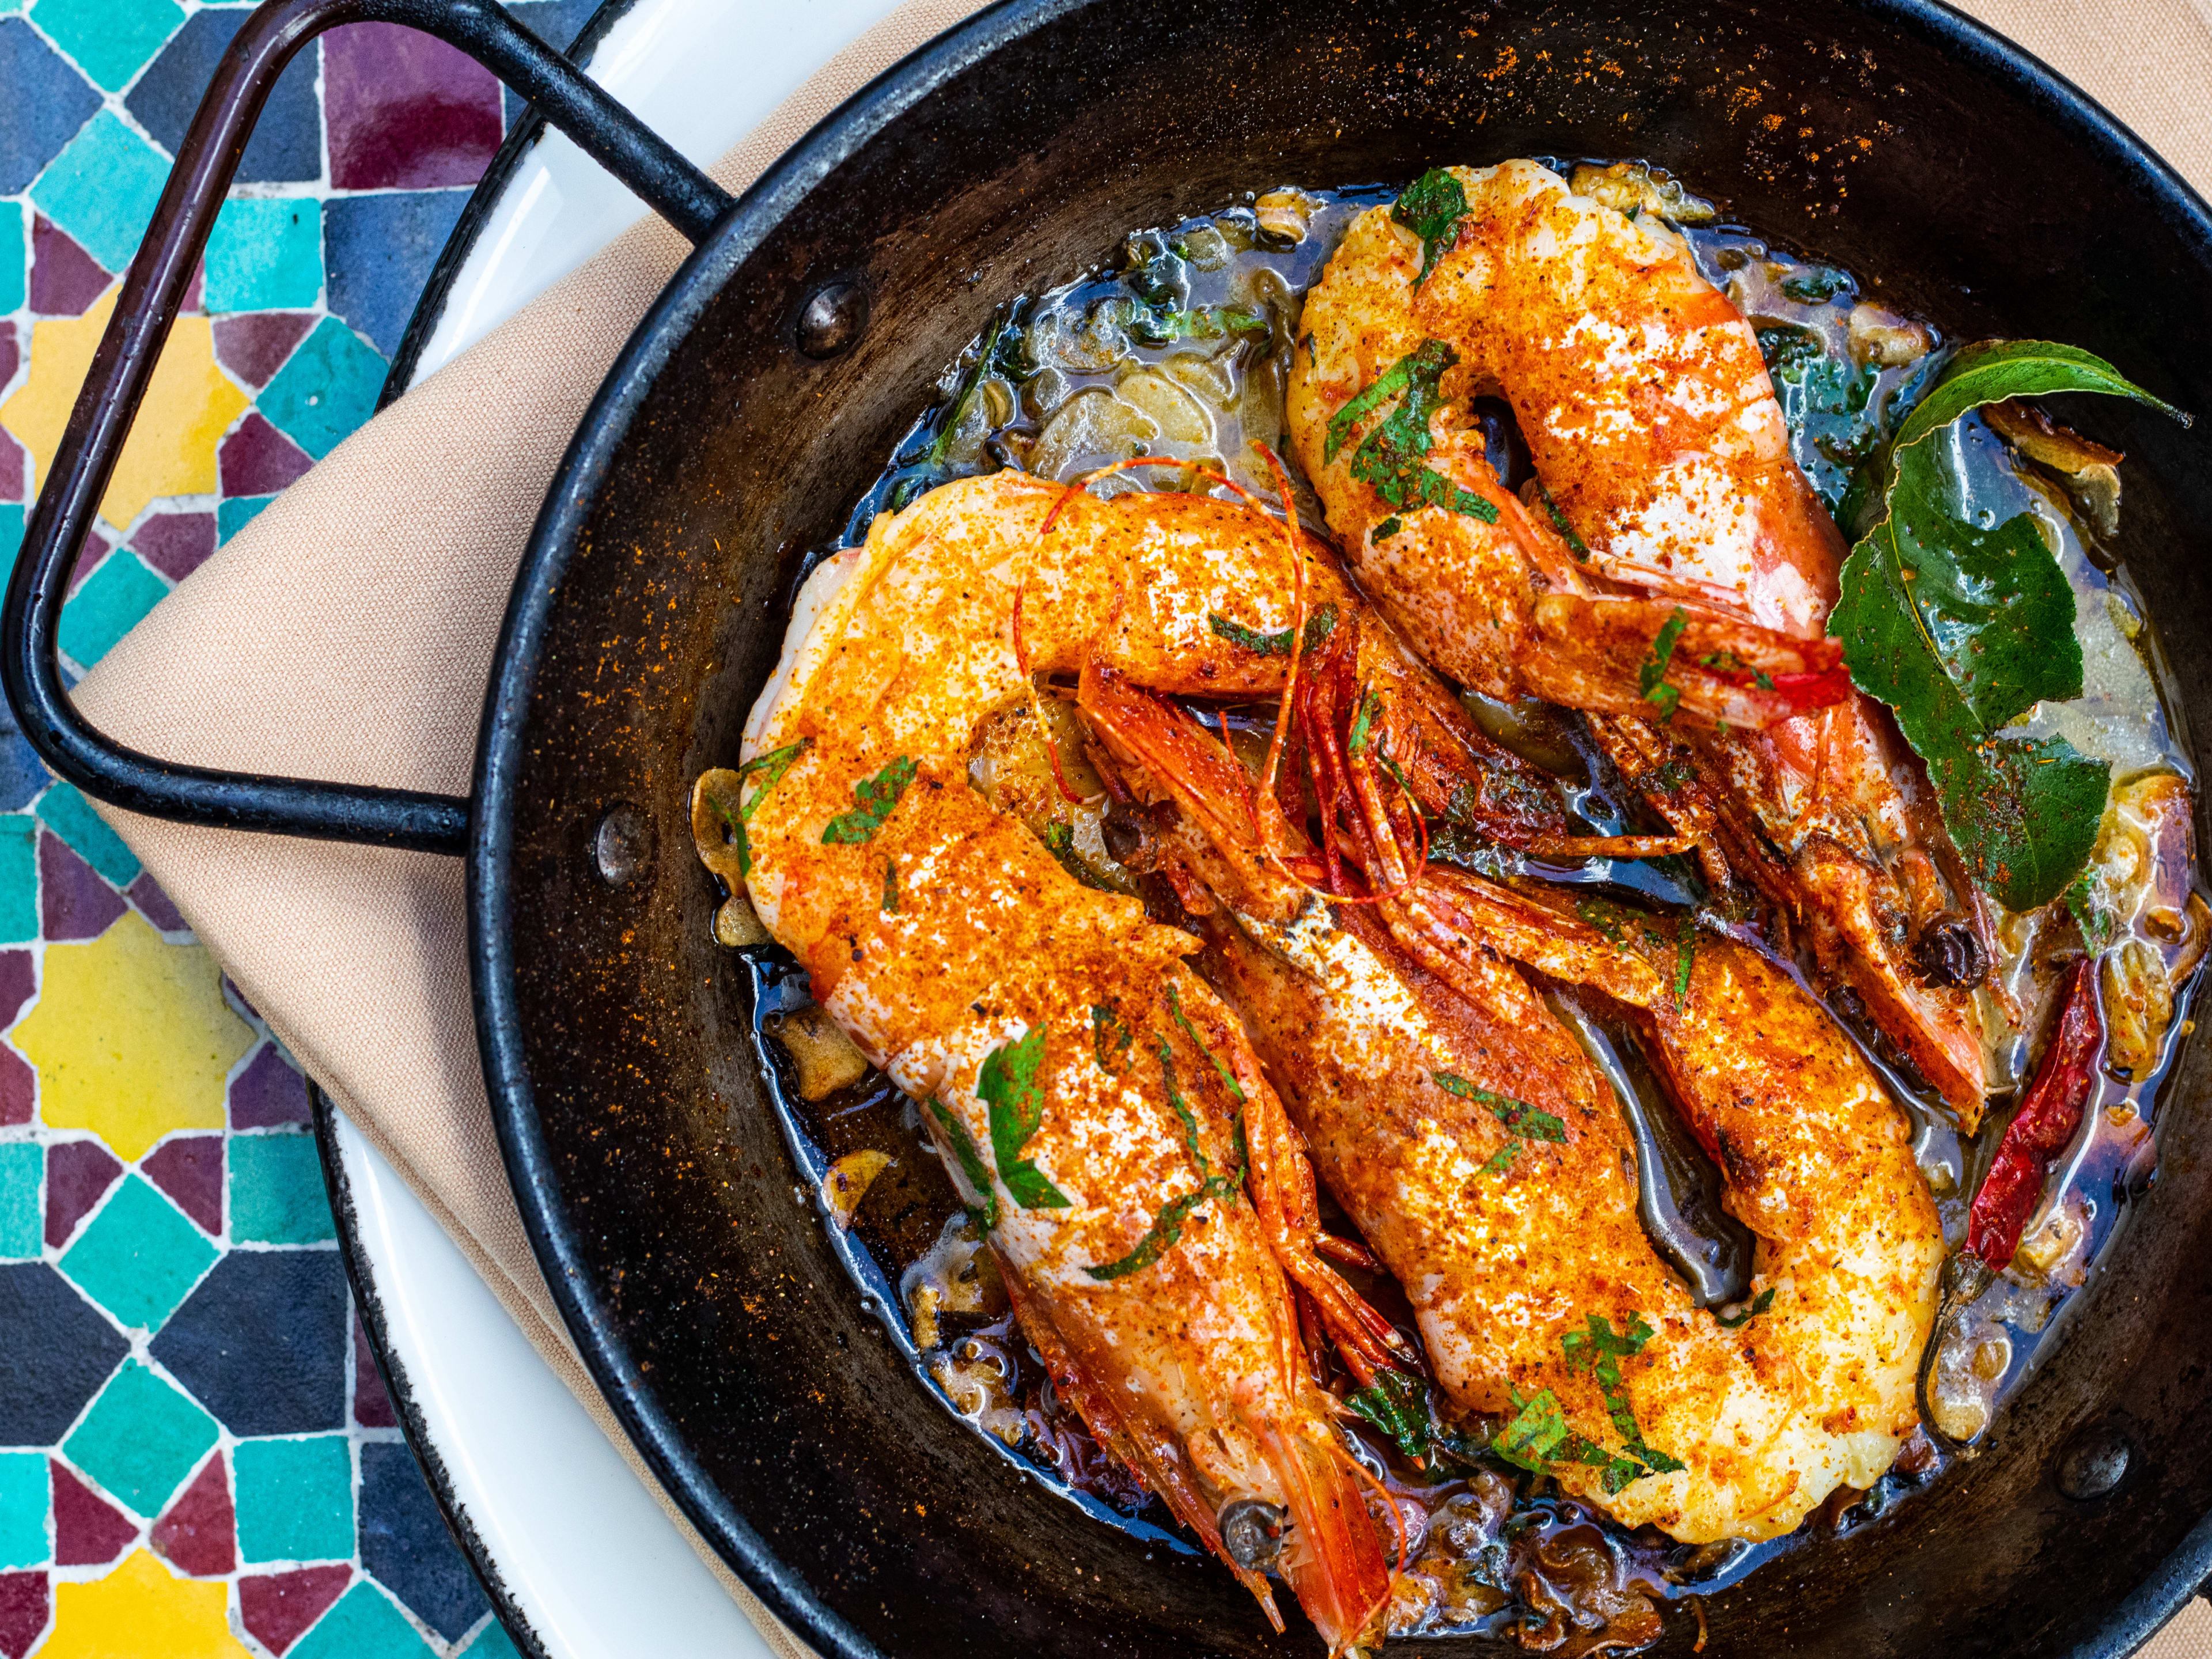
x=189 y=405
x=138 y=1611
x=132 y=1037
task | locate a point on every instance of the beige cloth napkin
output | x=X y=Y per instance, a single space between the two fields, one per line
x=347 y=632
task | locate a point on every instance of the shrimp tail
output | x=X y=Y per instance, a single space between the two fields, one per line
x=1334 y=1560
x=1148 y=1455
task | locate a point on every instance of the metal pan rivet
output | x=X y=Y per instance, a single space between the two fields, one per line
x=2093 y=1462
x=621 y=844
x=833 y=318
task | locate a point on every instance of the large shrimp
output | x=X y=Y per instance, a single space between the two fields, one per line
x=1670 y=572
x=1098 y=1106
x=1483 y=1156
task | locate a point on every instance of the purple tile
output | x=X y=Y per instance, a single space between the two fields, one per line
x=10 y=357
x=372 y=1406
x=278 y=1607
x=78 y=1175
x=257 y=460
x=65 y=279
x=74 y=902
x=154 y=904
x=238 y=998
x=195 y=300
x=15 y=469
x=405 y=112
x=18 y=979
x=176 y=544
x=190 y=1169
x=253 y=344
x=19 y=1087
x=267 y=1093
x=88 y=1530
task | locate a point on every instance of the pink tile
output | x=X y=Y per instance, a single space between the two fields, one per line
x=194 y=302
x=405 y=112
x=15 y=469
x=257 y=460
x=78 y=1175
x=199 y=1534
x=176 y=543
x=65 y=279
x=190 y=1169
x=254 y=344
x=10 y=353
x=97 y=546
x=88 y=1530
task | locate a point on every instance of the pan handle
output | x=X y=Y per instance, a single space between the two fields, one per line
x=152 y=292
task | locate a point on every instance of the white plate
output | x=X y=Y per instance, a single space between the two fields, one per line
x=581 y=1559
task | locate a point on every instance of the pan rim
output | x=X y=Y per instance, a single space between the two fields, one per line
x=502 y=746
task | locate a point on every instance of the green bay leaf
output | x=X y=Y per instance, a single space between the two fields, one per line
x=1962 y=631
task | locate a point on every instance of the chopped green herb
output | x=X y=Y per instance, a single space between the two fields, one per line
x=890 y=889
x=1605 y=917
x=1599 y=1349
x=873 y=800
x=1151 y=326
x=1760 y=1305
x=1652 y=678
x=1110 y=1037
x=1524 y=1122
x=971 y=1164
x=1820 y=283
x=1502 y=1160
x=1391 y=456
x=1537 y=1429
x=945 y=434
x=1166 y=1231
x=1575 y=544
x=2092 y=915
x=1320 y=626
x=1007 y=1084
x=1265 y=645
x=1228 y=1078
x=1686 y=947
x=1181 y=1107
x=1164 y=1234
x=1399 y=1405
x=1060 y=841
x=1670 y=777
x=1389 y=527
x=768 y=771
x=1432 y=207
x=1363 y=723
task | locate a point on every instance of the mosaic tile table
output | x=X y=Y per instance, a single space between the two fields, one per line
x=196 y=1456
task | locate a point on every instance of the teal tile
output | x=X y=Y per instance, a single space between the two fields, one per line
x=267 y=254
x=108 y=606
x=493 y=1643
x=233 y=515
x=69 y=816
x=15 y=260
x=276 y=1193
x=138 y=1256
x=111 y=40
x=19 y=879
x=23 y=1510
x=11 y=534
x=295 y=1499
x=141 y=1439
x=102 y=189
x=364 y=1625
x=325 y=389
x=21 y=1214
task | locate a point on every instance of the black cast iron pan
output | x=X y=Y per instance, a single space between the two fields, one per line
x=755 y=401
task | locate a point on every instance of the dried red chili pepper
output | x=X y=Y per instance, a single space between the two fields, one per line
x=2042 y=1128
